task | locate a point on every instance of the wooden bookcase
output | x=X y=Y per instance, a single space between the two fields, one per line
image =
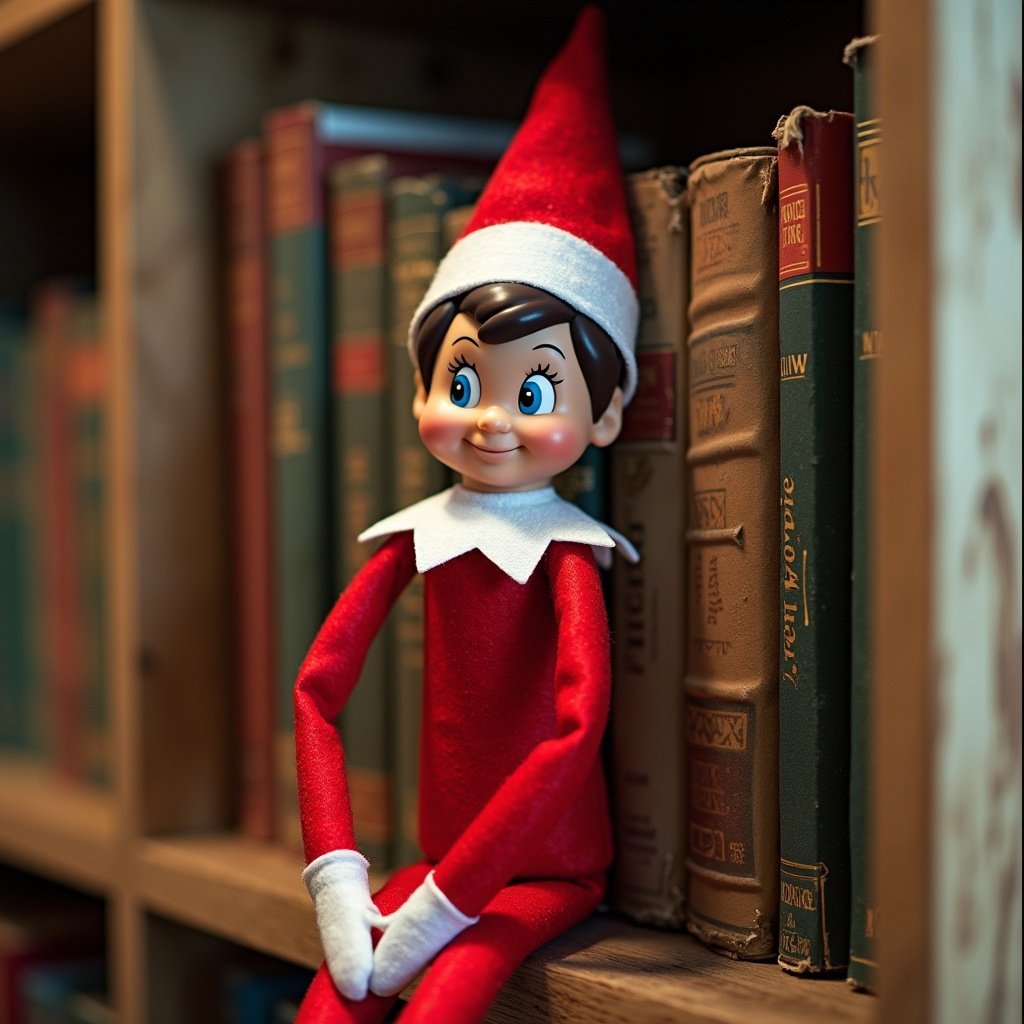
x=114 y=113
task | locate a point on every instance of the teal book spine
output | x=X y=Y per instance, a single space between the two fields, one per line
x=19 y=676
x=360 y=414
x=300 y=488
x=86 y=383
x=867 y=349
x=815 y=408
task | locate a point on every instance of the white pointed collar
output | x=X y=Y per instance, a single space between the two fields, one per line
x=512 y=529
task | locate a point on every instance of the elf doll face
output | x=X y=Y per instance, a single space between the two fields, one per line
x=511 y=416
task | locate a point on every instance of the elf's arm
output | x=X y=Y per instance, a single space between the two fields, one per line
x=328 y=675
x=532 y=799
x=336 y=874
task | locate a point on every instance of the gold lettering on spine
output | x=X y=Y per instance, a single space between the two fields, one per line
x=794 y=582
x=792 y=217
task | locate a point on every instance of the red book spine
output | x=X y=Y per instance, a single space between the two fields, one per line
x=250 y=404
x=63 y=697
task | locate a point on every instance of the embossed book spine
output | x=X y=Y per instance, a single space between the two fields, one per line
x=815 y=397
x=360 y=416
x=867 y=349
x=648 y=600
x=731 y=693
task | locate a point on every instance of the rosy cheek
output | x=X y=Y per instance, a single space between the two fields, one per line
x=439 y=431
x=555 y=439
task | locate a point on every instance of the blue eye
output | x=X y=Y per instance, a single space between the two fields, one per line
x=465 y=391
x=537 y=395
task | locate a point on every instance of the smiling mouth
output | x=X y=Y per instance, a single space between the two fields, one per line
x=494 y=452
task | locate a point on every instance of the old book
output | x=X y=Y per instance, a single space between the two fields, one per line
x=40 y=926
x=63 y=321
x=648 y=600
x=867 y=349
x=19 y=671
x=815 y=408
x=731 y=692
x=302 y=141
x=360 y=416
x=419 y=236
x=86 y=386
x=249 y=381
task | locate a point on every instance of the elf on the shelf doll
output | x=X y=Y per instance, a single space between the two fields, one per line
x=523 y=348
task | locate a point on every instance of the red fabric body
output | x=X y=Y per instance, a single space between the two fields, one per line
x=516 y=694
x=562 y=166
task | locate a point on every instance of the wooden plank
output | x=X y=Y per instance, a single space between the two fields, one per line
x=56 y=827
x=22 y=18
x=237 y=888
x=604 y=971
x=903 y=518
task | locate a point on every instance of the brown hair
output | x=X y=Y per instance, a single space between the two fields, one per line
x=506 y=312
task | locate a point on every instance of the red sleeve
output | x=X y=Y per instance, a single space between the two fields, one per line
x=536 y=795
x=327 y=677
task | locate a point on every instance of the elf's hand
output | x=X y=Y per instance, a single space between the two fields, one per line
x=413 y=935
x=339 y=883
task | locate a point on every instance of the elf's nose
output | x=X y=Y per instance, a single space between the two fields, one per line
x=494 y=420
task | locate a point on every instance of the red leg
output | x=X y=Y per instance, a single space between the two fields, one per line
x=467 y=975
x=323 y=1003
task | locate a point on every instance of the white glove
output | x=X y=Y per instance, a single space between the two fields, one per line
x=339 y=883
x=413 y=935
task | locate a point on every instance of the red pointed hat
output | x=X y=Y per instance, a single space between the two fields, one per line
x=553 y=214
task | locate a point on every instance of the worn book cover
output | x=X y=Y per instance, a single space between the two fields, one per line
x=731 y=694
x=815 y=406
x=249 y=380
x=648 y=600
x=19 y=457
x=867 y=350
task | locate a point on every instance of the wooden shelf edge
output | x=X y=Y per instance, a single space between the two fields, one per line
x=607 y=970
x=604 y=971
x=56 y=827
x=21 y=18
x=240 y=889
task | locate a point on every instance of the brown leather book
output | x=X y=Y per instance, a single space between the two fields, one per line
x=731 y=691
x=648 y=464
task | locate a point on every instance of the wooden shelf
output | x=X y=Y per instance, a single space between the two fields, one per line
x=240 y=889
x=607 y=971
x=603 y=971
x=57 y=827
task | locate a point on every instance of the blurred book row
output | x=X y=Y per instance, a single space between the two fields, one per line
x=53 y=383
x=54 y=956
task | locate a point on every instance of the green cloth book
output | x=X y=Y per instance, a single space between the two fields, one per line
x=867 y=349
x=815 y=396
x=360 y=416
x=85 y=375
x=19 y=670
x=419 y=205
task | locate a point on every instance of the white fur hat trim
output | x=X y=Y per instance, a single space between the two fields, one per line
x=528 y=252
